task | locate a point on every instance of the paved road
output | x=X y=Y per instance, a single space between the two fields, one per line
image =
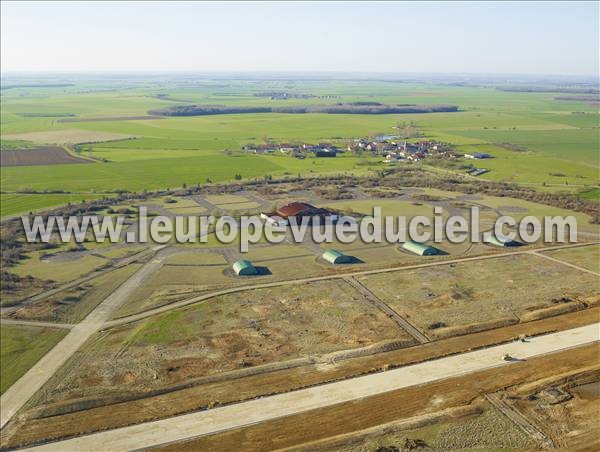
x=23 y=389
x=268 y=408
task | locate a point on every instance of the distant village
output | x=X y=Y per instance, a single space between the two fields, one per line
x=392 y=149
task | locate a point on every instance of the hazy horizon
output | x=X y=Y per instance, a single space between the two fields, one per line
x=477 y=39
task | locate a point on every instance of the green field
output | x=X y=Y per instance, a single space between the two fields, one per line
x=558 y=141
x=20 y=203
x=21 y=347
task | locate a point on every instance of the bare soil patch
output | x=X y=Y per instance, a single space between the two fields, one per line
x=68 y=136
x=464 y=297
x=43 y=155
x=227 y=333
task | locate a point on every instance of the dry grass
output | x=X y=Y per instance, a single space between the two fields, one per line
x=230 y=332
x=585 y=256
x=463 y=294
x=67 y=136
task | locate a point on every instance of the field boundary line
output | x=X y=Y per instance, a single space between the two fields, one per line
x=400 y=321
x=559 y=261
x=520 y=420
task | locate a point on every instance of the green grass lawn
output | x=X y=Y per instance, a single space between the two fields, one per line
x=60 y=270
x=19 y=203
x=21 y=347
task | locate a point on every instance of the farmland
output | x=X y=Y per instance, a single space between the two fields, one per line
x=21 y=203
x=21 y=347
x=50 y=155
x=299 y=226
x=558 y=139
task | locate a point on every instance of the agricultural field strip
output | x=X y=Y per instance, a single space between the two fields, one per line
x=67 y=326
x=264 y=409
x=568 y=264
x=23 y=389
x=204 y=297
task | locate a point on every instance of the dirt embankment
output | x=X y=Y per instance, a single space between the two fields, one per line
x=43 y=155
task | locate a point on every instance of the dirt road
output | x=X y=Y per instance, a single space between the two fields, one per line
x=268 y=408
x=24 y=388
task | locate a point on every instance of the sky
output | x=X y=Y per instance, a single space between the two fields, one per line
x=554 y=38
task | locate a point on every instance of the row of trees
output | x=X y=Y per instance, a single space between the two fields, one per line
x=360 y=108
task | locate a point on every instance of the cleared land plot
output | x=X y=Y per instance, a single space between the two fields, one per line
x=190 y=210
x=61 y=270
x=462 y=297
x=276 y=251
x=226 y=199
x=227 y=333
x=21 y=347
x=585 y=256
x=48 y=155
x=72 y=305
x=195 y=258
x=235 y=206
x=173 y=202
x=389 y=207
x=116 y=252
x=68 y=136
x=175 y=282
